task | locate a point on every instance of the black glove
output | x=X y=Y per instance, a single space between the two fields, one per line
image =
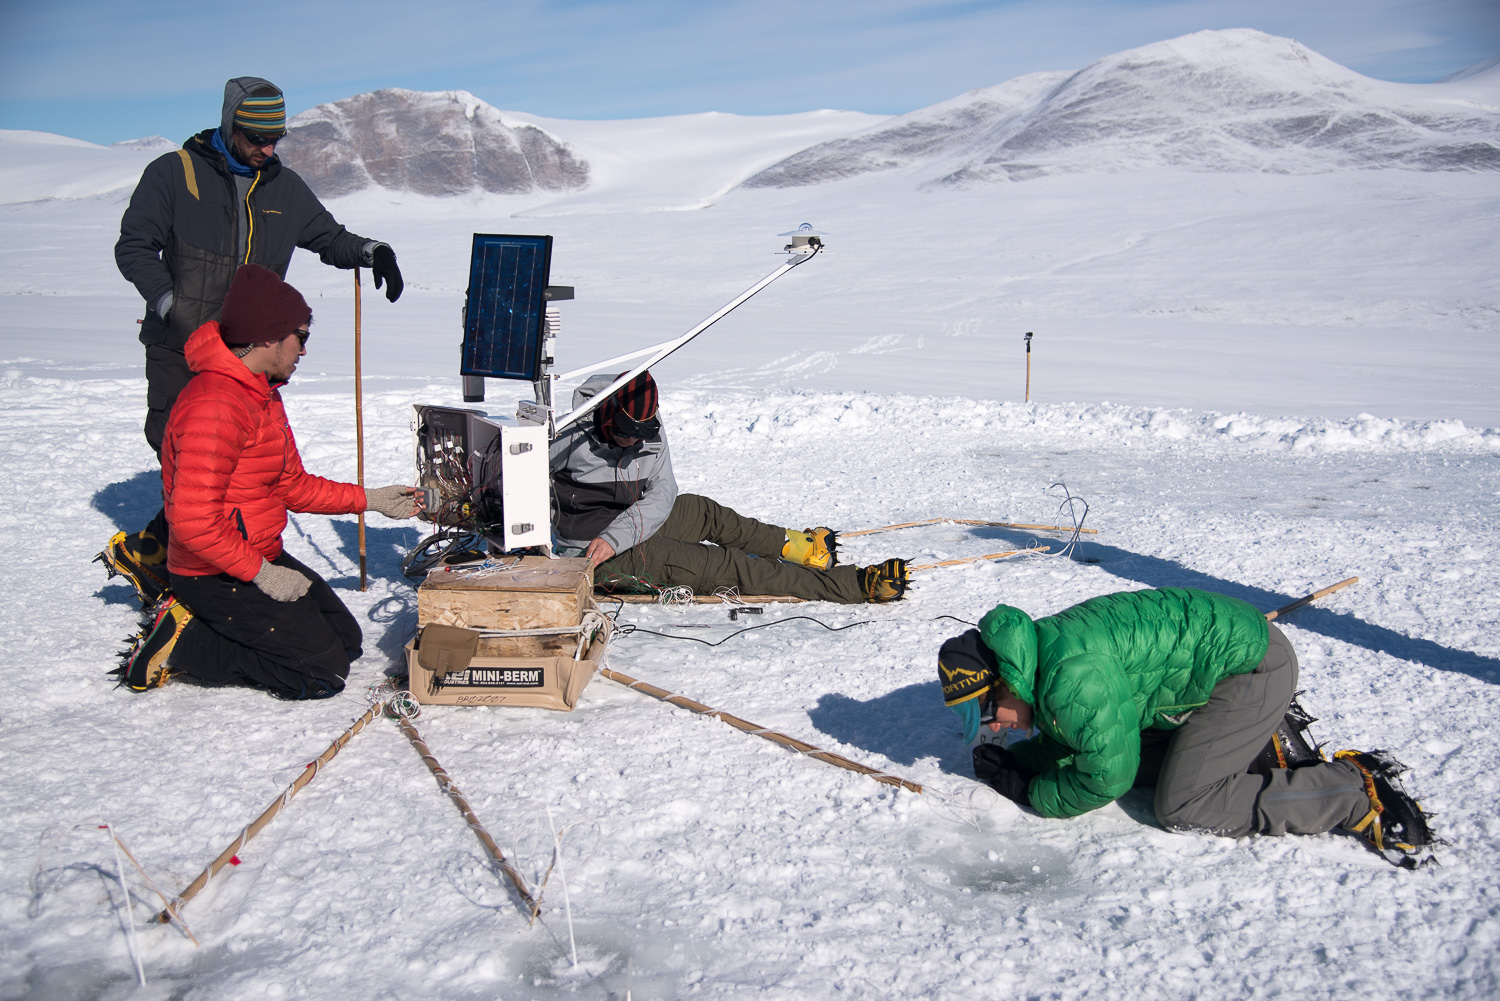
x=999 y=769
x=383 y=267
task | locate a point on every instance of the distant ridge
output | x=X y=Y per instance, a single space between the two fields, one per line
x=160 y=144
x=1229 y=101
x=909 y=139
x=445 y=143
x=1489 y=69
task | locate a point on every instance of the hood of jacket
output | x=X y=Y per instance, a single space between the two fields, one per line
x=1011 y=634
x=591 y=388
x=206 y=352
x=235 y=92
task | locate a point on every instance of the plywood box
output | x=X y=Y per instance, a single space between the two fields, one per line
x=537 y=593
x=552 y=680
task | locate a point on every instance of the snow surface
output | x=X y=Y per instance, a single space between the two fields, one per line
x=1261 y=384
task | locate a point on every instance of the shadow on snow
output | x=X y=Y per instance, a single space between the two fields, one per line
x=911 y=723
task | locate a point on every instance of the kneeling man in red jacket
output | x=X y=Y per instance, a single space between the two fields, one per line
x=241 y=610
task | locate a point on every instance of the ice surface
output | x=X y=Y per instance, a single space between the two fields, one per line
x=1261 y=383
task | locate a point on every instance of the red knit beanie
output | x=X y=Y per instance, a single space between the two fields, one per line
x=632 y=409
x=260 y=307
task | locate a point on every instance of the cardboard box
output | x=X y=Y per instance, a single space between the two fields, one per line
x=538 y=593
x=547 y=678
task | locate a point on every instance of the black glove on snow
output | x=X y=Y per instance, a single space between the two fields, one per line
x=999 y=769
x=383 y=266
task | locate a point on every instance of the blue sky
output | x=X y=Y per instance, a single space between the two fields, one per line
x=102 y=70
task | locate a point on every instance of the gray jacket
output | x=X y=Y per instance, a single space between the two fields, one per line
x=620 y=495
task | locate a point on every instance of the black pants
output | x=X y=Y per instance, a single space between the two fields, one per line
x=239 y=635
x=167 y=375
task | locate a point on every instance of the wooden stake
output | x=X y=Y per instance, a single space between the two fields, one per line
x=705 y=599
x=167 y=908
x=1310 y=598
x=228 y=855
x=976 y=559
x=359 y=426
x=966 y=521
x=1028 y=366
x=759 y=731
x=446 y=784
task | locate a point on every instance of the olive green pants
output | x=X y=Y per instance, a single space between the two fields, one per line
x=745 y=554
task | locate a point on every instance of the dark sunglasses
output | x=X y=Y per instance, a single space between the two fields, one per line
x=258 y=140
x=625 y=426
x=302 y=336
x=988 y=703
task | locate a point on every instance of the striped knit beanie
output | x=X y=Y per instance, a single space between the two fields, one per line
x=261 y=308
x=637 y=401
x=263 y=112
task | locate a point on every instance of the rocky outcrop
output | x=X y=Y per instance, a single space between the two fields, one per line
x=441 y=144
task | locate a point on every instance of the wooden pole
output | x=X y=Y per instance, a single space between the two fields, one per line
x=976 y=559
x=359 y=426
x=168 y=909
x=1028 y=366
x=966 y=521
x=1310 y=598
x=228 y=855
x=705 y=599
x=446 y=784
x=759 y=731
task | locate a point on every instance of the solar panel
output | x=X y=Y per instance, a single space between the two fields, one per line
x=506 y=311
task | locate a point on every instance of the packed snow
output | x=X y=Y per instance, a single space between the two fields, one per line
x=1260 y=384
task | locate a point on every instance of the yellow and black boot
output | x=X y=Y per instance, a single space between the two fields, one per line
x=145 y=664
x=885 y=581
x=1395 y=825
x=812 y=547
x=140 y=559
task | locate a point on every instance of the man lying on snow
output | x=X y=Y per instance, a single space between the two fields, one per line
x=615 y=501
x=1201 y=676
x=241 y=611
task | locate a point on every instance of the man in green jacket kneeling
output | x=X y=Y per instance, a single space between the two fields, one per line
x=1203 y=677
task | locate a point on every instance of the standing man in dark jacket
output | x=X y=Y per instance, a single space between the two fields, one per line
x=1201 y=676
x=223 y=200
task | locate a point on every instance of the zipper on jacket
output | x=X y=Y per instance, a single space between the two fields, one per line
x=239 y=521
x=250 y=218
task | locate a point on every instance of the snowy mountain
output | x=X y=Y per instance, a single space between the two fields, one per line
x=1228 y=101
x=446 y=143
x=943 y=128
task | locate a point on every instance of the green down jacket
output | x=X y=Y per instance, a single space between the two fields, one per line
x=1099 y=673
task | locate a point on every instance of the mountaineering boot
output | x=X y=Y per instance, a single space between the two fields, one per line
x=812 y=547
x=1395 y=824
x=145 y=664
x=140 y=559
x=884 y=582
x=1290 y=745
